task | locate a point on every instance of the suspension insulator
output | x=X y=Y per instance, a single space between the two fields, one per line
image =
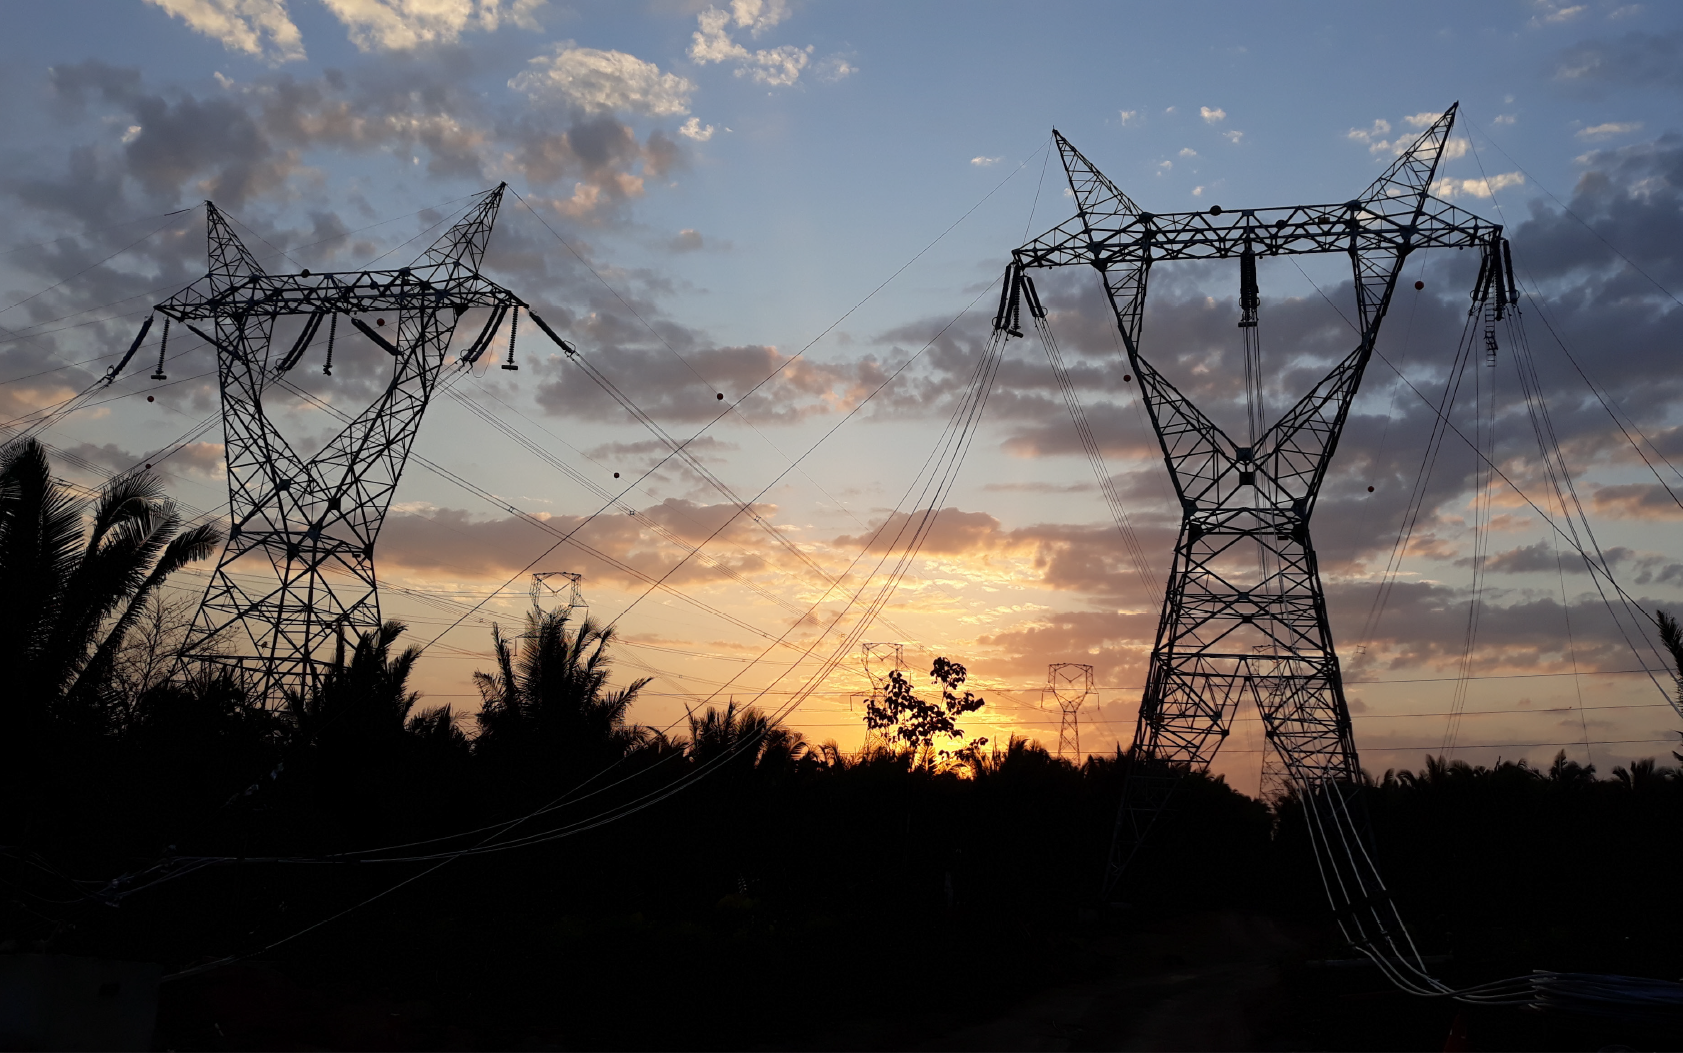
x=513 y=327
x=332 y=331
x=164 y=347
x=1249 y=297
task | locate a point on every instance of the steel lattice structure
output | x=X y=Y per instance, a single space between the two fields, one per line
x=1244 y=613
x=296 y=580
x=1069 y=683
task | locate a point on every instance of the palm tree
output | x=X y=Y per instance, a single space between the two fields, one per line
x=549 y=702
x=746 y=733
x=75 y=583
x=362 y=704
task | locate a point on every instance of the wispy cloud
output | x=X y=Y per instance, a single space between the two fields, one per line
x=1611 y=128
x=260 y=28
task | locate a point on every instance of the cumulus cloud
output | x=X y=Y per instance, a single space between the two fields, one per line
x=1211 y=116
x=260 y=28
x=1609 y=129
x=594 y=81
x=692 y=129
x=401 y=25
x=778 y=67
x=1449 y=189
x=835 y=68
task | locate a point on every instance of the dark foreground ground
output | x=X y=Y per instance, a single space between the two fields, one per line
x=1226 y=980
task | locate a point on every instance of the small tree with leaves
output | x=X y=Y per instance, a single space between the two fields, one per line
x=900 y=715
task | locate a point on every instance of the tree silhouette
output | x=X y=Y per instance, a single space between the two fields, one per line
x=75 y=580
x=548 y=707
x=901 y=714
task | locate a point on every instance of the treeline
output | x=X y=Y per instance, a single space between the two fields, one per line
x=165 y=816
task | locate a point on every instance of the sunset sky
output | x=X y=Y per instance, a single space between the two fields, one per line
x=707 y=191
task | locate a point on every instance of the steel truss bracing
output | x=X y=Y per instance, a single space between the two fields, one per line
x=296 y=579
x=1244 y=615
x=1070 y=684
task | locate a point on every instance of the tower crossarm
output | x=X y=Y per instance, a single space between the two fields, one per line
x=1366 y=225
x=345 y=292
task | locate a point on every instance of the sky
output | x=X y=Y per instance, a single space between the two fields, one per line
x=705 y=194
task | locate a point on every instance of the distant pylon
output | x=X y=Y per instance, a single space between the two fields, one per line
x=879 y=660
x=1070 y=683
x=548 y=583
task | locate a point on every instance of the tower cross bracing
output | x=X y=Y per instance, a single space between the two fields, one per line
x=296 y=578
x=1244 y=613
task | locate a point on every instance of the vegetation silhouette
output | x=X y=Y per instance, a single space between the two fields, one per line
x=174 y=819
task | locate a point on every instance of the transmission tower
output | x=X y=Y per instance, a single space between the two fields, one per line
x=879 y=660
x=1071 y=685
x=1244 y=614
x=296 y=579
x=549 y=583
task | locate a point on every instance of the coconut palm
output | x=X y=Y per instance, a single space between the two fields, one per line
x=361 y=704
x=548 y=701
x=745 y=733
x=75 y=578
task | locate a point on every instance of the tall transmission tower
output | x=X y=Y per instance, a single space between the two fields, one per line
x=879 y=660
x=1071 y=685
x=1244 y=612
x=547 y=583
x=296 y=578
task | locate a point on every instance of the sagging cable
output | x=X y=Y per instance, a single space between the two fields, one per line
x=145 y=327
x=483 y=340
x=302 y=344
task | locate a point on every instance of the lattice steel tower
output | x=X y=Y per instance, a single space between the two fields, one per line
x=1070 y=684
x=1244 y=613
x=297 y=575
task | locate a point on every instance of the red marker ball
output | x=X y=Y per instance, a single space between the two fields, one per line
x=149 y=398
x=1419 y=285
x=379 y=321
x=616 y=475
x=1370 y=489
x=721 y=396
x=148 y=467
x=1127 y=377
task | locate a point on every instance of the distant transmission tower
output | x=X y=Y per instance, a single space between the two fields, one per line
x=1244 y=613
x=1071 y=684
x=296 y=579
x=879 y=660
x=549 y=583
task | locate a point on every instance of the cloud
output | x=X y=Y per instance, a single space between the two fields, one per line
x=1637 y=59
x=1421 y=120
x=1187 y=151
x=1212 y=116
x=1449 y=189
x=985 y=162
x=834 y=69
x=1233 y=136
x=779 y=66
x=687 y=240
x=594 y=81
x=260 y=28
x=1503 y=118
x=1127 y=116
x=692 y=129
x=402 y=25
x=1609 y=129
